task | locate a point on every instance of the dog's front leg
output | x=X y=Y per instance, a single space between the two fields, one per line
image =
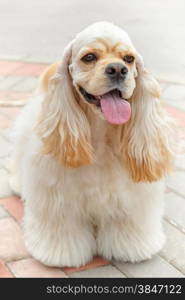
x=135 y=233
x=56 y=232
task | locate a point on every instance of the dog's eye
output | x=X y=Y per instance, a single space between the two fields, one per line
x=89 y=57
x=128 y=58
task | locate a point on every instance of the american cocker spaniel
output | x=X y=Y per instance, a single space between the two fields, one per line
x=90 y=154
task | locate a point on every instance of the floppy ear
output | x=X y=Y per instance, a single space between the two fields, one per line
x=147 y=150
x=62 y=125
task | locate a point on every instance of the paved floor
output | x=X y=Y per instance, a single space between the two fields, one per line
x=37 y=30
x=33 y=34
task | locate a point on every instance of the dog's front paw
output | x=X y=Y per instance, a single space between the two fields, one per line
x=64 y=250
x=132 y=246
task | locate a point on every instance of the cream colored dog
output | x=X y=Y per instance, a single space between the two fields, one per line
x=90 y=155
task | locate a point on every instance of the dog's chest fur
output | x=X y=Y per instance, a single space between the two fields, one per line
x=103 y=184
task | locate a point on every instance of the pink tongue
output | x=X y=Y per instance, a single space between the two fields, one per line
x=115 y=109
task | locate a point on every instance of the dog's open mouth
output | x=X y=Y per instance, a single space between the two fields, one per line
x=115 y=109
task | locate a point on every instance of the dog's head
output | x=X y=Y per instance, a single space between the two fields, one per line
x=102 y=72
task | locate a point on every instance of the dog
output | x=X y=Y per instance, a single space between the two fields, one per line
x=90 y=155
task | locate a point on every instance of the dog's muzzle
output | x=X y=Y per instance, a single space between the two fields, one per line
x=115 y=109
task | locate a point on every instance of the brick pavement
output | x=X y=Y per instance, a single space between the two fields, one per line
x=17 y=81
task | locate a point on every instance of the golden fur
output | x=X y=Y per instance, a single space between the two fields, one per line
x=69 y=153
x=74 y=151
x=46 y=76
x=77 y=170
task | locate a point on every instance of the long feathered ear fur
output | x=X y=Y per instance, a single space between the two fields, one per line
x=63 y=126
x=147 y=149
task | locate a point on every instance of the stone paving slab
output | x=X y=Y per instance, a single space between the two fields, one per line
x=4 y=122
x=32 y=268
x=156 y=267
x=1 y=162
x=14 y=205
x=11 y=98
x=4 y=146
x=174 y=249
x=174 y=92
x=12 y=245
x=26 y=84
x=9 y=81
x=4 y=271
x=179 y=103
x=177 y=182
x=5 y=190
x=101 y=272
x=180 y=162
x=3 y=213
x=175 y=209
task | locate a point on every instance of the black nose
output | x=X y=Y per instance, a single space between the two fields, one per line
x=116 y=71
